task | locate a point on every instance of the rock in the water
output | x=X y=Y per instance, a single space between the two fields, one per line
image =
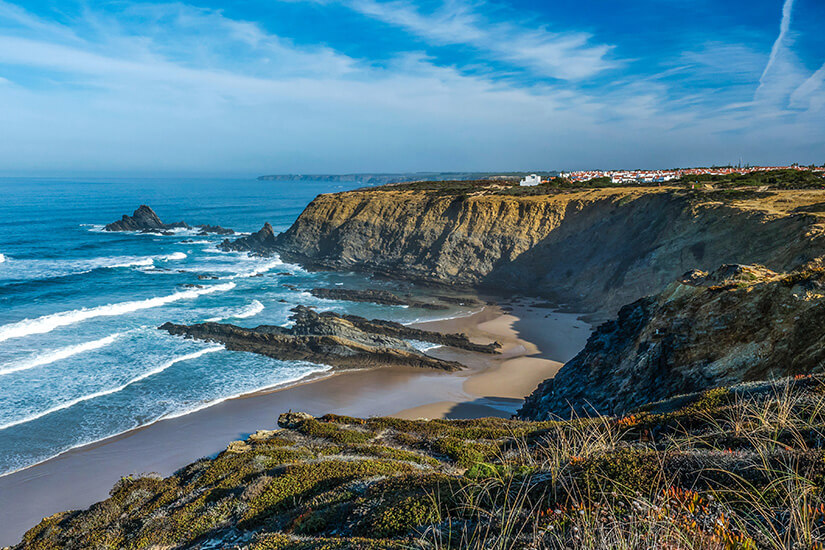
x=143 y=219
x=261 y=242
x=383 y=297
x=216 y=229
x=322 y=338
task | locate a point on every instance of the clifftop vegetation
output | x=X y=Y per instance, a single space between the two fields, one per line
x=730 y=468
x=773 y=180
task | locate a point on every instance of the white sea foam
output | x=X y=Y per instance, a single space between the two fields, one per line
x=60 y=354
x=249 y=310
x=423 y=346
x=284 y=382
x=173 y=256
x=2 y=258
x=157 y=370
x=47 y=323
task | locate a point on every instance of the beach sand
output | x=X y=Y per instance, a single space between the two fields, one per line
x=535 y=343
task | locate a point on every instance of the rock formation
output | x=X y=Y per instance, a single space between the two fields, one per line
x=383 y=297
x=145 y=220
x=597 y=248
x=736 y=324
x=330 y=339
x=260 y=243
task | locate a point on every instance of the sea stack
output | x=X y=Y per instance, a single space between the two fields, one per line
x=143 y=219
x=261 y=243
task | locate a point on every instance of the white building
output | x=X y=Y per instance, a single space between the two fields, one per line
x=530 y=180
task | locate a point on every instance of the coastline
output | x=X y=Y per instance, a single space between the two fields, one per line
x=535 y=343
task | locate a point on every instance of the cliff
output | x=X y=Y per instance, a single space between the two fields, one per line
x=599 y=248
x=737 y=324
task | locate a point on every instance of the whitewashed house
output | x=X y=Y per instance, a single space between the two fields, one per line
x=530 y=180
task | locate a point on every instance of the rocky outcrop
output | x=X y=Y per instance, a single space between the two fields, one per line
x=599 y=248
x=382 y=297
x=214 y=229
x=736 y=324
x=330 y=339
x=261 y=243
x=145 y=220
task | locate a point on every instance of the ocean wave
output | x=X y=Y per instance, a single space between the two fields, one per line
x=60 y=354
x=27 y=269
x=160 y=368
x=317 y=369
x=249 y=310
x=47 y=323
x=2 y=258
x=173 y=256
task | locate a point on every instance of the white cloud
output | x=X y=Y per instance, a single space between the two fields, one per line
x=180 y=88
x=563 y=55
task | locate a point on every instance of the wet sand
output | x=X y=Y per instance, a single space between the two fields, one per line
x=535 y=343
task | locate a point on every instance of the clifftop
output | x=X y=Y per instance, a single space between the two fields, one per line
x=597 y=248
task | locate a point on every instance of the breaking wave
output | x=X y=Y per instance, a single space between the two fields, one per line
x=47 y=323
x=160 y=368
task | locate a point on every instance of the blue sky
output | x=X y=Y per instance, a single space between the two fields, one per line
x=329 y=86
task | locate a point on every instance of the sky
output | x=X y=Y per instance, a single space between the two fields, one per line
x=248 y=87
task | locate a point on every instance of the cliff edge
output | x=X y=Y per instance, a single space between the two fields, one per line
x=599 y=248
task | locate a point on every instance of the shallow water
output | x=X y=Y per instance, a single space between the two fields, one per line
x=80 y=357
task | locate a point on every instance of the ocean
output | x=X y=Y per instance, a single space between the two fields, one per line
x=81 y=358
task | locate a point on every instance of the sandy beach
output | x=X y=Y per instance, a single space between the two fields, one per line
x=535 y=343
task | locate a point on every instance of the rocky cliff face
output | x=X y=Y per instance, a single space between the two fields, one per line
x=600 y=247
x=739 y=323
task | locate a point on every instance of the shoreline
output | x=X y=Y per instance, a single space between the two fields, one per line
x=535 y=343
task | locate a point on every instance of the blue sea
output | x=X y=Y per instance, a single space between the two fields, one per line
x=81 y=358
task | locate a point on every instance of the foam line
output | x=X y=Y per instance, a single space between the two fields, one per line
x=60 y=354
x=48 y=323
x=162 y=367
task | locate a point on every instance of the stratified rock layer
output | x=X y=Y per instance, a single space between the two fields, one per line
x=383 y=297
x=737 y=324
x=599 y=248
x=261 y=242
x=330 y=339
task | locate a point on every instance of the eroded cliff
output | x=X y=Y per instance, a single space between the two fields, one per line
x=737 y=324
x=599 y=248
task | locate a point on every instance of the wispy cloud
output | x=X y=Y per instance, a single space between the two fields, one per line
x=564 y=55
x=176 y=87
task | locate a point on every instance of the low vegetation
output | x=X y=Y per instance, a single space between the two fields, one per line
x=730 y=468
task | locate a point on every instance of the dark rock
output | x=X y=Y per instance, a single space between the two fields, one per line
x=326 y=338
x=736 y=324
x=216 y=229
x=143 y=219
x=261 y=243
x=382 y=297
x=206 y=277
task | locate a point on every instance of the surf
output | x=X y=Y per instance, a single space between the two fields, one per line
x=68 y=404
x=47 y=323
x=60 y=354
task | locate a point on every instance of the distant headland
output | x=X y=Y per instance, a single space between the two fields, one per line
x=382 y=178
